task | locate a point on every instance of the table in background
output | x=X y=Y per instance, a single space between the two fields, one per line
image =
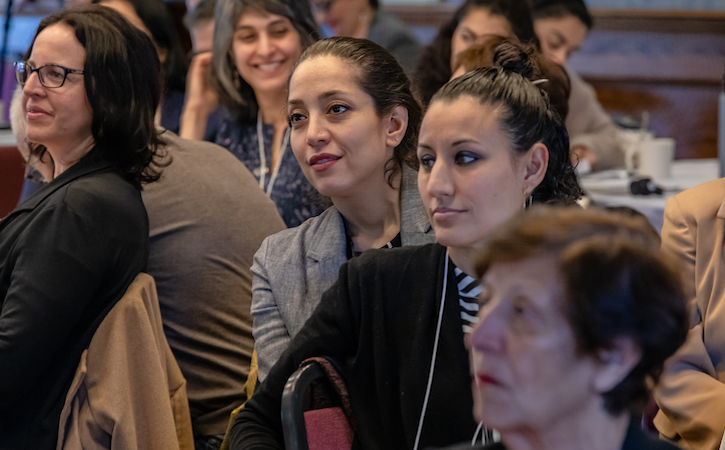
x=611 y=188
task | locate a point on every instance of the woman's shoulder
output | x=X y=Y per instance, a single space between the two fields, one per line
x=321 y=233
x=106 y=200
x=705 y=199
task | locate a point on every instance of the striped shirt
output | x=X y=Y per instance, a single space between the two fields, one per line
x=468 y=290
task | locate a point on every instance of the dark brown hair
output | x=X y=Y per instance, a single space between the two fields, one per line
x=557 y=86
x=434 y=65
x=525 y=115
x=123 y=84
x=617 y=283
x=382 y=78
x=544 y=9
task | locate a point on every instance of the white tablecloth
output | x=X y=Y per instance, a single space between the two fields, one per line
x=611 y=188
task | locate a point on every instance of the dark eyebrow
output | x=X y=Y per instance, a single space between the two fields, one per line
x=328 y=94
x=324 y=95
x=464 y=141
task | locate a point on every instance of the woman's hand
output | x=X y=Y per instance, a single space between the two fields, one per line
x=201 y=99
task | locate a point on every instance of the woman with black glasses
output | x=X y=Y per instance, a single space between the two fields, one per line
x=68 y=253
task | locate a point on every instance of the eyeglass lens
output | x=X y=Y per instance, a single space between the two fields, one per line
x=50 y=76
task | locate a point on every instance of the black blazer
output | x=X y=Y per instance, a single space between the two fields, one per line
x=67 y=254
x=379 y=322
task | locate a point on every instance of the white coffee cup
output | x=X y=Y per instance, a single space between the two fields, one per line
x=629 y=141
x=654 y=158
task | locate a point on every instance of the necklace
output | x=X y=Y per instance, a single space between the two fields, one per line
x=263 y=156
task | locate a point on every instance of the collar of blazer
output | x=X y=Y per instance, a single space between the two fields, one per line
x=80 y=169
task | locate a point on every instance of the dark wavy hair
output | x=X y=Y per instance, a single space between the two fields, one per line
x=381 y=77
x=617 y=283
x=526 y=115
x=543 y=9
x=434 y=65
x=122 y=82
x=235 y=94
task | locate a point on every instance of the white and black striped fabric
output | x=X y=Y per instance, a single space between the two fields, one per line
x=468 y=290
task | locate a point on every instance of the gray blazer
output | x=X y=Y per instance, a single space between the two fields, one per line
x=294 y=267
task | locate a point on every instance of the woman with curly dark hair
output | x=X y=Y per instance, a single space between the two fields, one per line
x=395 y=320
x=67 y=254
x=472 y=23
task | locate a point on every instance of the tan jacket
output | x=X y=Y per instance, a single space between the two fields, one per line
x=691 y=394
x=590 y=126
x=128 y=392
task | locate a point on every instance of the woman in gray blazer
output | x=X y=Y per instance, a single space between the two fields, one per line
x=354 y=128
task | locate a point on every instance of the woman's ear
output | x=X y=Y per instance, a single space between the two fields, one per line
x=397 y=126
x=614 y=364
x=536 y=162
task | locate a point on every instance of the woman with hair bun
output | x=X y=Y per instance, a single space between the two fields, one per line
x=394 y=322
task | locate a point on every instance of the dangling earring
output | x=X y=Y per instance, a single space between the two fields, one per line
x=529 y=202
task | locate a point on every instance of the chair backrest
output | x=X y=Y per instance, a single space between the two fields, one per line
x=12 y=171
x=128 y=391
x=328 y=427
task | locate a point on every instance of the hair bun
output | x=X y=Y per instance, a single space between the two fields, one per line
x=517 y=58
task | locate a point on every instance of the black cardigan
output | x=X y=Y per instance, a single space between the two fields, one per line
x=67 y=254
x=379 y=319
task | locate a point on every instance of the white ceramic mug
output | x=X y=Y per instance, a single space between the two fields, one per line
x=655 y=158
x=629 y=141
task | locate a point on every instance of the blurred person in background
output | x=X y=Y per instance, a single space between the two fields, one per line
x=153 y=18
x=473 y=23
x=562 y=26
x=256 y=44
x=554 y=79
x=200 y=23
x=366 y=19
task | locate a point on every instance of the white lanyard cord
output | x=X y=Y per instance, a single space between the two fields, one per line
x=263 y=156
x=435 y=352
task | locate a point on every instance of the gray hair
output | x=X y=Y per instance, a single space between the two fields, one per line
x=234 y=93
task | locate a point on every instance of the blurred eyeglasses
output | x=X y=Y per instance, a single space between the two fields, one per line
x=50 y=76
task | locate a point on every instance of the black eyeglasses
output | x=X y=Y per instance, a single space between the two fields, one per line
x=51 y=76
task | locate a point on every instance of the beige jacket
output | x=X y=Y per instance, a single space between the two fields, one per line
x=691 y=394
x=590 y=126
x=128 y=392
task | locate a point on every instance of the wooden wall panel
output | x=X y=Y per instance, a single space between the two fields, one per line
x=685 y=112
